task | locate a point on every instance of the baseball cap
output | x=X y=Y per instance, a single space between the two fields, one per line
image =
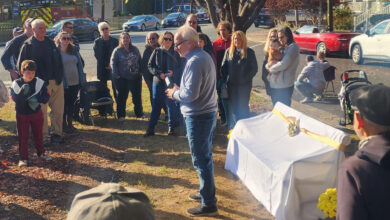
x=28 y=21
x=111 y=201
x=17 y=30
x=373 y=103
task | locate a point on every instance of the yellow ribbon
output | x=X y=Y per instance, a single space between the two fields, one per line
x=318 y=137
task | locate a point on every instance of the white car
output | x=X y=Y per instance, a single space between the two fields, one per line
x=374 y=44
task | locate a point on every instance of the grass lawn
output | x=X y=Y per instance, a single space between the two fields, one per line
x=113 y=151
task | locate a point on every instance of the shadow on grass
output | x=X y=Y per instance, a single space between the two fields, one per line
x=41 y=189
x=18 y=212
x=169 y=215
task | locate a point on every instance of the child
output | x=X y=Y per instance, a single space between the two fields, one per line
x=274 y=55
x=28 y=92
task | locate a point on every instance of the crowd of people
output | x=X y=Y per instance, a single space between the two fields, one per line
x=187 y=75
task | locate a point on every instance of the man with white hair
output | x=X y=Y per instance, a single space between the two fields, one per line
x=12 y=49
x=47 y=56
x=198 y=104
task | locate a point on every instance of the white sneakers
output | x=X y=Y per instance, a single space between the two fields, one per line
x=318 y=98
x=22 y=163
x=306 y=100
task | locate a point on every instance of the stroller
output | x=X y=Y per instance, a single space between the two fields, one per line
x=93 y=95
x=350 y=80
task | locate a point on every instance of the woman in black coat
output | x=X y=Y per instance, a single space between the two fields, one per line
x=163 y=63
x=239 y=66
x=103 y=47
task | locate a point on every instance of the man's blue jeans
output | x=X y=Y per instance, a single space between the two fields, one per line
x=306 y=89
x=282 y=95
x=200 y=130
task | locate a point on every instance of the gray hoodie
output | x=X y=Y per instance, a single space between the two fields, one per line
x=125 y=64
x=287 y=66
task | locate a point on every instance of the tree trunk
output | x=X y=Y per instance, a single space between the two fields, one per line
x=330 y=15
x=240 y=13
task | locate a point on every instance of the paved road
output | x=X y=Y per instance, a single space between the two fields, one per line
x=377 y=72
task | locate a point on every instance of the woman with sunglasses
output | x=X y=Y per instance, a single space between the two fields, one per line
x=238 y=68
x=74 y=77
x=151 y=43
x=103 y=47
x=163 y=63
x=126 y=64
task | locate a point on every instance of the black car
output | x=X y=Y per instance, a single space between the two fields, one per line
x=83 y=28
x=174 y=19
x=264 y=18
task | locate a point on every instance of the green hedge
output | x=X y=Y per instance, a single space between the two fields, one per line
x=343 y=19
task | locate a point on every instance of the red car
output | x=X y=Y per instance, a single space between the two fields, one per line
x=310 y=38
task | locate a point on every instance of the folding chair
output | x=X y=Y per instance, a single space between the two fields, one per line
x=329 y=75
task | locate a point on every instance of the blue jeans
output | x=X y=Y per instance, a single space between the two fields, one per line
x=158 y=100
x=306 y=89
x=200 y=130
x=282 y=95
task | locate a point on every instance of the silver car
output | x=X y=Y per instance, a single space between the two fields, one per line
x=142 y=23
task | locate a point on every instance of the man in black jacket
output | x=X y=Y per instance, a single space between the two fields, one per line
x=46 y=55
x=363 y=191
x=13 y=49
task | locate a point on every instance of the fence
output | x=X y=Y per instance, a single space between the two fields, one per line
x=5 y=33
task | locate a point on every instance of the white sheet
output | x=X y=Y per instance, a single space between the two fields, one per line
x=286 y=174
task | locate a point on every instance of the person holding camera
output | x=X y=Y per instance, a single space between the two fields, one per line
x=164 y=63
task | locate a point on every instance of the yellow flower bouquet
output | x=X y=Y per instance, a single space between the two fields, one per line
x=327 y=202
x=230 y=133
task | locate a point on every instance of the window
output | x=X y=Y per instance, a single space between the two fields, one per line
x=380 y=28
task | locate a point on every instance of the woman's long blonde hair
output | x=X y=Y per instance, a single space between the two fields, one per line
x=267 y=43
x=244 y=45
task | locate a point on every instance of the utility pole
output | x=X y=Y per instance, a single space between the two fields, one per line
x=102 y=17
x=330 y=15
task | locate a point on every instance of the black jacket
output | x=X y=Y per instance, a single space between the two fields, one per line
x=161 y=61
x=363 y=191
x=100 y=54
x=12 y=50
x=28 y=52
x=237 y=71
x=148 y=76
x=36 y=90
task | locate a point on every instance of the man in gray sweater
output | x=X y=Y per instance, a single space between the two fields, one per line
x=198 y=105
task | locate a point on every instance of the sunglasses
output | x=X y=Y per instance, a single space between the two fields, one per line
x=65 y=38
x=177 y=45
x=168 y=39
x=70 y=27
x=106 y=28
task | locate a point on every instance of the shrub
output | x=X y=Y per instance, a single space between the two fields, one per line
x=343 y=19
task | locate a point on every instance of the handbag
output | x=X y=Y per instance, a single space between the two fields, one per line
x=224 y=91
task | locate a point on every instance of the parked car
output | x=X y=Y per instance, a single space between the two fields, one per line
x=312 y=38
x=264 y=18
x=174 y=19
x=374 y=44
x=83 y=28
x=203 y=17
x=180 y=8
x=142 y=23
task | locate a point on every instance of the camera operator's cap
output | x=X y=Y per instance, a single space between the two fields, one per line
x=111 y=201
x=17 y=30
x=28 y=21
x=373 y=103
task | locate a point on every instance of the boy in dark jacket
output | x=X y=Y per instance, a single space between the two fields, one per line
x=363 y=191
x=28 y=92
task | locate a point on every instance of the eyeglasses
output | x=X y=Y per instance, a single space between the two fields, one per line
x=192 y=22
x=70 y=27
x=106 y=28
x=65 y=38
x=168 y=39
x=177 y=45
